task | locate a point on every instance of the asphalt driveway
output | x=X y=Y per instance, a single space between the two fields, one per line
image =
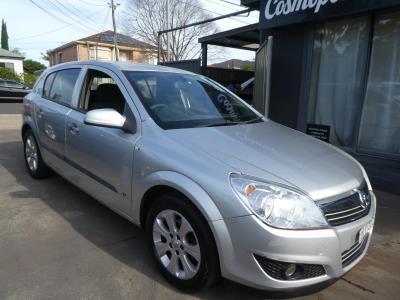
x=58 y=242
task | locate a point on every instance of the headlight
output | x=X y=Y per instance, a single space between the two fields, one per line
x=276 y=205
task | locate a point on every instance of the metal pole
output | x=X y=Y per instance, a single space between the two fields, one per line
x=113 y=7
x=158 y=48
x=206 y=21
x=197 y=23
x=204 y=55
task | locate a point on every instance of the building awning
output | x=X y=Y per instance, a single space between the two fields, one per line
x=246 y=38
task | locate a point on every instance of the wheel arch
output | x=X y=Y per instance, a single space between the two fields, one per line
x=159 y=183
x=25 y=128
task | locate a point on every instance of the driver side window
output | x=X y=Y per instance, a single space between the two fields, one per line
x=101 y=91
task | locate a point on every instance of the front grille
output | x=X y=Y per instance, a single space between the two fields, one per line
x=354 y=252
x=276 y=269
x=348 y=209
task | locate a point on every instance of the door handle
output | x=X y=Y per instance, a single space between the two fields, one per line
x=73 y=128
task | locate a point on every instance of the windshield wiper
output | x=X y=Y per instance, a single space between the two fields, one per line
x=222 y=124
x=256 y=120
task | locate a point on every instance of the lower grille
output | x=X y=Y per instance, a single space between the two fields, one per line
x=276 y=269
x=354 y=252
x=348 y=209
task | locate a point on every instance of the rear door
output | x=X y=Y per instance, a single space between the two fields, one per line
x=51 y=111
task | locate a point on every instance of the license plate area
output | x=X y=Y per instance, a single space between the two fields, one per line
x=364 y=231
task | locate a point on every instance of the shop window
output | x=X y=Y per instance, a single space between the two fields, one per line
x=380 y=122
x=340 y=53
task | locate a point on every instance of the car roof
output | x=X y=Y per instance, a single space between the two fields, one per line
x=120 y=65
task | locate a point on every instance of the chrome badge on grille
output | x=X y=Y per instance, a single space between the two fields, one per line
x=364 y=200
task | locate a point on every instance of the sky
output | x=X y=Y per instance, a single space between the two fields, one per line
x=33 y=31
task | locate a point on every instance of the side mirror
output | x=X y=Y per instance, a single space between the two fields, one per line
x=105 y=117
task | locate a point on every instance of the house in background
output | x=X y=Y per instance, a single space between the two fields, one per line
x=234 y=64
x=100 y=46
x=12 y=61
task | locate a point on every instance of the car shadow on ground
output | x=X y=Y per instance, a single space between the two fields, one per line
x=105 y=229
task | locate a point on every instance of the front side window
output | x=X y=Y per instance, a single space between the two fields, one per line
x=63 y=86
x=185 y=101
x=101 y=91
x=340 y=51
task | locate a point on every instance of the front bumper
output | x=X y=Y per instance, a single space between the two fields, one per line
x=239 y=239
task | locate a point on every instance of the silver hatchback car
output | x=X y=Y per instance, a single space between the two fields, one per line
x=220 y=190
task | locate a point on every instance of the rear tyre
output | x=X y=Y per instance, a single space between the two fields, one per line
x=33 y=158
x=180 y=242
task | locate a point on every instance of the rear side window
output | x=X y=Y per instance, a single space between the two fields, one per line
x=63 y=86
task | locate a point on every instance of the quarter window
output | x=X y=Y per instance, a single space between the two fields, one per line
x=47 y=85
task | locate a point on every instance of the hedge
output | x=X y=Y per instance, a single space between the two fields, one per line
x=26 y=79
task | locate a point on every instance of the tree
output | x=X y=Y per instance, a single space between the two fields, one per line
x=45 y=56
x=30 y=66
x=29 y=79
x=248 y=68
x=18 y=51
x=4 y=35
x=144 y=18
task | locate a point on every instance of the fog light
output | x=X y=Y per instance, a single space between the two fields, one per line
x=290 y=270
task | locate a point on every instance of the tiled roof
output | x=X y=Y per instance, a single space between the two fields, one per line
x=122 y=39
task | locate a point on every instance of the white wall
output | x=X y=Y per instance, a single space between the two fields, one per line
x=18 y=66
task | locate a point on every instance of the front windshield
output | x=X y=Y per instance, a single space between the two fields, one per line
x=185 y=101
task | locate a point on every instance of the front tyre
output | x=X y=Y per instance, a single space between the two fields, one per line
x=181 y=245
x=33 y=159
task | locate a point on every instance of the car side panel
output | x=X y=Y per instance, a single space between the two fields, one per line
x=51 y=118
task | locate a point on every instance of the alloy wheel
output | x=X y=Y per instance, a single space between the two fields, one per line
x=176 y=244
x=31 y=154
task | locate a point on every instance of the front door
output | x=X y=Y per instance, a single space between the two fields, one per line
x=102 y=157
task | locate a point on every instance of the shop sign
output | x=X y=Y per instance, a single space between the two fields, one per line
x=275 y=13
x=321 y=132
x=284 y=7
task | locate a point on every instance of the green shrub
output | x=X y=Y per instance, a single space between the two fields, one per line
x=26 y=79
x=29 y=79
x=10 y=75
x=248 y=68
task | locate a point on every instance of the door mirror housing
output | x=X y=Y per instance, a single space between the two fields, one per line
x=106 y=117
